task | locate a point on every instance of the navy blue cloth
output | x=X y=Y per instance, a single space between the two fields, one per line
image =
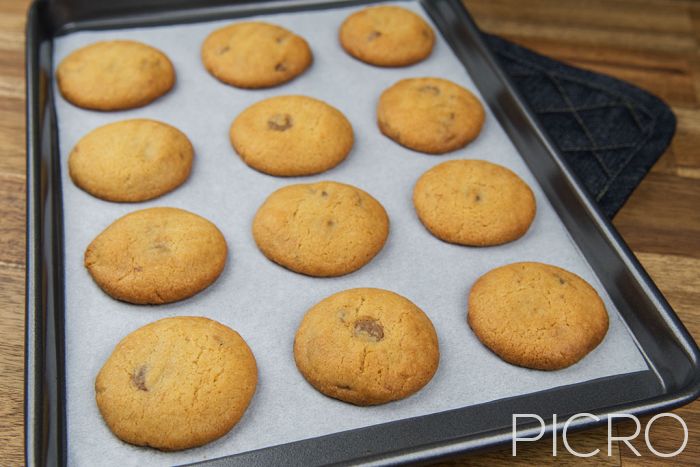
x=610 y=132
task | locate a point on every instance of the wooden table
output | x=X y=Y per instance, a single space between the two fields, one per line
x=652 y=43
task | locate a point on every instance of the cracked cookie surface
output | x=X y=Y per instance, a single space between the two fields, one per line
x=291 y=136
x=132 y=160
x=321 y=229
x=388 y=36
x=474 y=202
x=366 y=346
x=176 y=383
x=255 y=55
x=115 y=75
x=430 y=115
x=536 y=315
x=156 y=255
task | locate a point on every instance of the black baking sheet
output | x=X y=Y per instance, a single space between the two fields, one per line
x=587 y=230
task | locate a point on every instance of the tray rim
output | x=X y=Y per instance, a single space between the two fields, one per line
x=40 y=289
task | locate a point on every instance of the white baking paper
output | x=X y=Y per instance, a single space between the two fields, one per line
x=265 y=302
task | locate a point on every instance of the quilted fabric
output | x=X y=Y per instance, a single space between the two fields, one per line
x=609 y=132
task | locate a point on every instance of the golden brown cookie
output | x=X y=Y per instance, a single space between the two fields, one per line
x=156 y=255
x=255 y=55
x=473 y=202
x=366 y=347
x=115 y=75
x=291 y=136
x=536 y=315
x=176 y=383
x=430 y=115
x=321 y=229
x=131 y=160
x=387 y=36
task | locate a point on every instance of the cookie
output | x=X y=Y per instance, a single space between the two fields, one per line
x=291 y=136
x=473 y=202
x=430 y=115
x=366 y=347
x=115 y=75
x=156 y=255
x=131 y=160
x=255 y=55
x=388 y=36
x=176 y=383
x=536 y=315
x=321 y=229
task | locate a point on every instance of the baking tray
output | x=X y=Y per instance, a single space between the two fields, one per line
x=672 y=379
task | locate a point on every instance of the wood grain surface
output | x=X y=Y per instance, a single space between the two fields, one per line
x=651 y=43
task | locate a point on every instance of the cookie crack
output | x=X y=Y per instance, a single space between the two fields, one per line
x=363 y=359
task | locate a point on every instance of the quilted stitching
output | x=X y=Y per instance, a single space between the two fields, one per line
x=608 y=131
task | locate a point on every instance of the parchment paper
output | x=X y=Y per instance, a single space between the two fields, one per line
x=265 y=302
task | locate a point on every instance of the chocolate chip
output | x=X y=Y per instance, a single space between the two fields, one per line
x=324 y=193
x=428 y=89
x=280 y=39
x=139 y=378
x=369 y=328
x=280 y=122
x=373 y=35
x=280 y=67
x=477 y=197
x=223 y=50
x=330 y=223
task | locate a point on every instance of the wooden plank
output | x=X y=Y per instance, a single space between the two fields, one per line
x=11 y=366
x=653 y=43
x=650 y=223
x=687 y=141
x=540 y=453
x=628 y=44
x=12 y=232
x=678 y=277
x=642 y=16
x=12 y=145
x=590 y=23
x=12 y=227
x=12 y=131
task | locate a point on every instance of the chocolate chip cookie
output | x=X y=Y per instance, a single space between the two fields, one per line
x=156 y=255
x=388 y=36
x=255 y=55
x=430 y=115
x=132 y=160
x=536 y=315
x=366 y=347
x=474 y=202
x=321 y=229
x=176 y=383
x=115 y=75
x=291 y=136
